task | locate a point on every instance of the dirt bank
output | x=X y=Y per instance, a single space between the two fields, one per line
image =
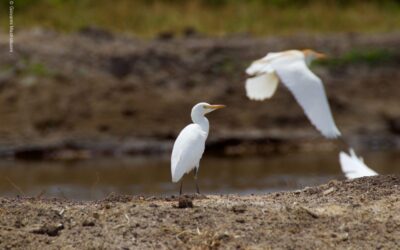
x=360 y=214
x=110 y=93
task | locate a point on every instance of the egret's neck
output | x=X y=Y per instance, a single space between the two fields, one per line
x=308 y=59
x=201 y=120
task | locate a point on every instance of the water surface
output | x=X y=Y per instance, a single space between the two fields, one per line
x=97 y=178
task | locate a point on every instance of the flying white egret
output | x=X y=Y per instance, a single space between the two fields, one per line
x=291 y=68
x=354 y=166
x=189 y=146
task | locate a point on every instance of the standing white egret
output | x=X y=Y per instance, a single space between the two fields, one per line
x=354 y=166
x=291 y=68
x=189 y=146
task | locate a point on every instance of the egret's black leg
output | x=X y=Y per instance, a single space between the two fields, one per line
x=195 y=180
x=180 y=190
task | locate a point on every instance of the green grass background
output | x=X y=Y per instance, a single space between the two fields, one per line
x=148 y=18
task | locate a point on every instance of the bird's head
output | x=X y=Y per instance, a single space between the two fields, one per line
x=311 y=55
x=204 y=108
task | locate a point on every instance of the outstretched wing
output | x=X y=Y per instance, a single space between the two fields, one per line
x=262 y=86
x=262 y=65
x=264 y=82
x=309 y=92
x=187 y=151
x=354 y=167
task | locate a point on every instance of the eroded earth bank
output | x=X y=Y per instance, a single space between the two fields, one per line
x=96 y=92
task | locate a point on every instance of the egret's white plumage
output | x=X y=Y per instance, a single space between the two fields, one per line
x=188 y=150
x=291 y=68
x=354 y=166
x=258 y=90
x=189 y=146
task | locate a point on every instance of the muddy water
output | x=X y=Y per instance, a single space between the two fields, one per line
x=97 y=178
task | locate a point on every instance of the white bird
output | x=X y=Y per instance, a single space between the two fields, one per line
x=291 y=68
x=354 y=166
x=189 y=146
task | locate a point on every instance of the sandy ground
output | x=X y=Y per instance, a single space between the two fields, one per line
x=359 y=214
x=116 y=94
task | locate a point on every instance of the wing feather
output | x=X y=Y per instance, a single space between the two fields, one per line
x=260 y=66
x=262 y=86
x=309 y=92
x=353 y=166
x=187 y=151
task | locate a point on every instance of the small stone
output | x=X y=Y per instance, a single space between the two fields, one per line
x=328 y=191
x=50 y=230
x=241 y=220
x=88 y=223
x=153 y=205
x=223 y=236
x=185 y=202
x=239 y=209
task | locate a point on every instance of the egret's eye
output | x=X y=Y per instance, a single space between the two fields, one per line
x=205 y=107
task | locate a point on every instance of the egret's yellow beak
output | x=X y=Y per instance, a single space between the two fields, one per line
x=214 y=107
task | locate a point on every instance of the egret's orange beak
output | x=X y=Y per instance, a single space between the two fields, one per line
x=320 y=55
x=314 y=54
x=216 y=106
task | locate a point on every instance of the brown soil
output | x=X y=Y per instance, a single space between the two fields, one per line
x=114 y=94
x=358 y=214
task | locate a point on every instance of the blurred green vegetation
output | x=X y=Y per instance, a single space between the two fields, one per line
x=29 y=67
x=212 y=17
x=370 y=57
x=37 y=69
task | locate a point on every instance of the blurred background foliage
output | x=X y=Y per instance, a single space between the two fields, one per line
x=212 y=17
